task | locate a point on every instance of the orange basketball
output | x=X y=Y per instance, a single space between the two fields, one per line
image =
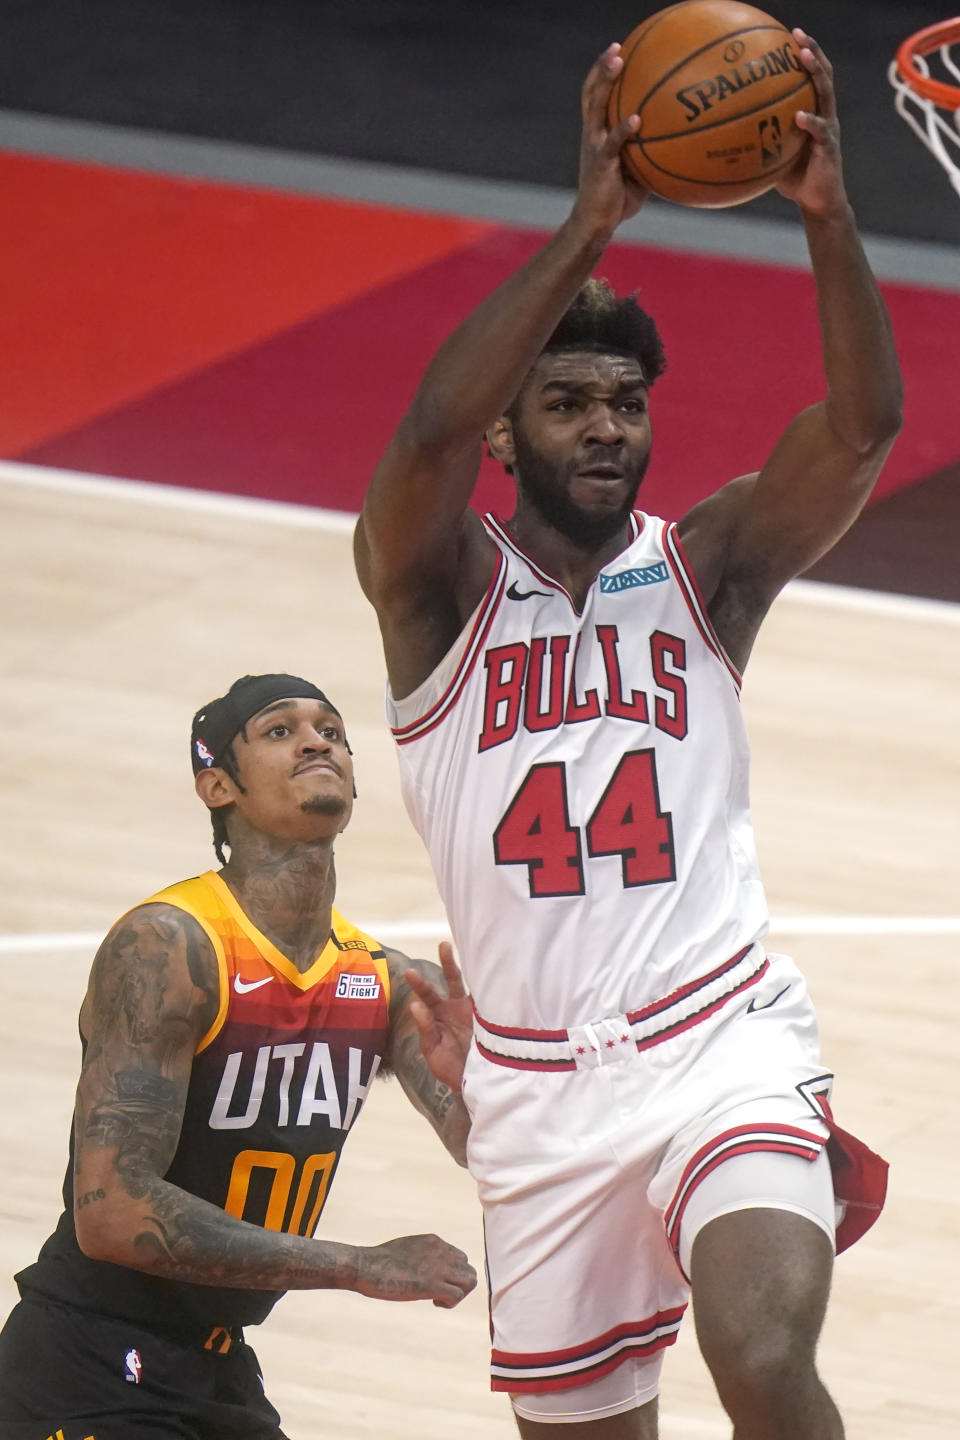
x=716 y=85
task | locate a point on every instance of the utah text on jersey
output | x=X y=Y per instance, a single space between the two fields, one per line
x=280 y=1077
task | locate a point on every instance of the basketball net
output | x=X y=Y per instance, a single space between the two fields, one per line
x=929 y=103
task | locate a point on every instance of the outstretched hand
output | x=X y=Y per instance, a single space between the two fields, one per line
x=445 y=1022
x=816 y=181
x=606 y=195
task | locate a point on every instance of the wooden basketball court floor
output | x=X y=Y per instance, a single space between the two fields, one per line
x=126 y=607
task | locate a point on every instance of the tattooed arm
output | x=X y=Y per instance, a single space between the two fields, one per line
x=153 y=993
x=431 y=1025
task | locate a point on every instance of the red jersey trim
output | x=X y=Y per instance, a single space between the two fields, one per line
x=683 y=991
x=505 y=541
x=510 y=1062
x=578 y=1364
x=509 y=1034
x=700 y=1015
x=636 y=521
x=690 y=590
x=416 y=729
x=495 y=1042
x=743 y=1140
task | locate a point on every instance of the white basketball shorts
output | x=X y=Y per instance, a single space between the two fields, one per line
x=588 y=1176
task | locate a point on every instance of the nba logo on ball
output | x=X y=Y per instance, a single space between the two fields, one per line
x=717 y=86
x=132 y=1367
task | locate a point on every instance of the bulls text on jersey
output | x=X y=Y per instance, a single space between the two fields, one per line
x=532 y=684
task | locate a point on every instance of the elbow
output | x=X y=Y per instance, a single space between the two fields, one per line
x=888 y=414
x=98 y=1229
x=422 y=429
x=889 y=422
x=93 y=1240
x=434 y=432
x=872 y=437
x=874 y=444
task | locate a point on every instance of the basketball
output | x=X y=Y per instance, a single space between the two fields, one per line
x=716 y=85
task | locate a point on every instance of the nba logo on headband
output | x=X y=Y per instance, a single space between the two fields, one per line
x=203 y=754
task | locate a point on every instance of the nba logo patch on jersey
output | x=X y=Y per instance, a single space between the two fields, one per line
x=627 y=579
x=358 y=987
x=132 y=1366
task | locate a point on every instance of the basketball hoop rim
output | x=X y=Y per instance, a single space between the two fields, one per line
x=924 y=42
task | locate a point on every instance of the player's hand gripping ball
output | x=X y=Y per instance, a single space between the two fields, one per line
x=716 y=85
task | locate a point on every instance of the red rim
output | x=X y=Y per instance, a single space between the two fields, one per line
x=946 y=32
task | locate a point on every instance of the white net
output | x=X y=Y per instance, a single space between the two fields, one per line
x=937 y=125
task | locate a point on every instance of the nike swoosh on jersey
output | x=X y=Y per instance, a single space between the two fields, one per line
x=514 y=594
x=753 y=1006
x=243 y=987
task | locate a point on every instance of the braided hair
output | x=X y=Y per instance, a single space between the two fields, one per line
x=218 y=817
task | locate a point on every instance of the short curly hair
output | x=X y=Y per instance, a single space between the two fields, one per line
x=600 y=320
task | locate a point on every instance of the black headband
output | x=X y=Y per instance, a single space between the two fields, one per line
x=216 y=724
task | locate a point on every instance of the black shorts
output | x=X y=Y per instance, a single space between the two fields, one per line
x=74 y=1375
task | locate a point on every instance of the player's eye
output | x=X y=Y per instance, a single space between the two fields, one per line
x=330 y=732
x=278 y=732
x=633 y=407
x=562 y=406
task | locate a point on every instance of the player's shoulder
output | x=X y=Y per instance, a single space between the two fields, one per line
x=194 y=908
x=159 y=915
x=159 y=936
x=155 y=965
x=710 y=512
x=706 y=529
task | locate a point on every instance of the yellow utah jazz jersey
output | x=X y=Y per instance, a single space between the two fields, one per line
x=276 y=1084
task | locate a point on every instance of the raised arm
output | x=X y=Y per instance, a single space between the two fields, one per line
x=749 y=539
x=153 y=993
x=421 y=555
x=431 y=1026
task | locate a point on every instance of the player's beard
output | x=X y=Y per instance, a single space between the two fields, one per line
x=334 y=805
x=537 y=482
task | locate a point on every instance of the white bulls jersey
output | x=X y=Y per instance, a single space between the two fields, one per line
x=581 y=785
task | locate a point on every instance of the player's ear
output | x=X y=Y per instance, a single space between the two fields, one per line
x=215 y=787
x=500 y=441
